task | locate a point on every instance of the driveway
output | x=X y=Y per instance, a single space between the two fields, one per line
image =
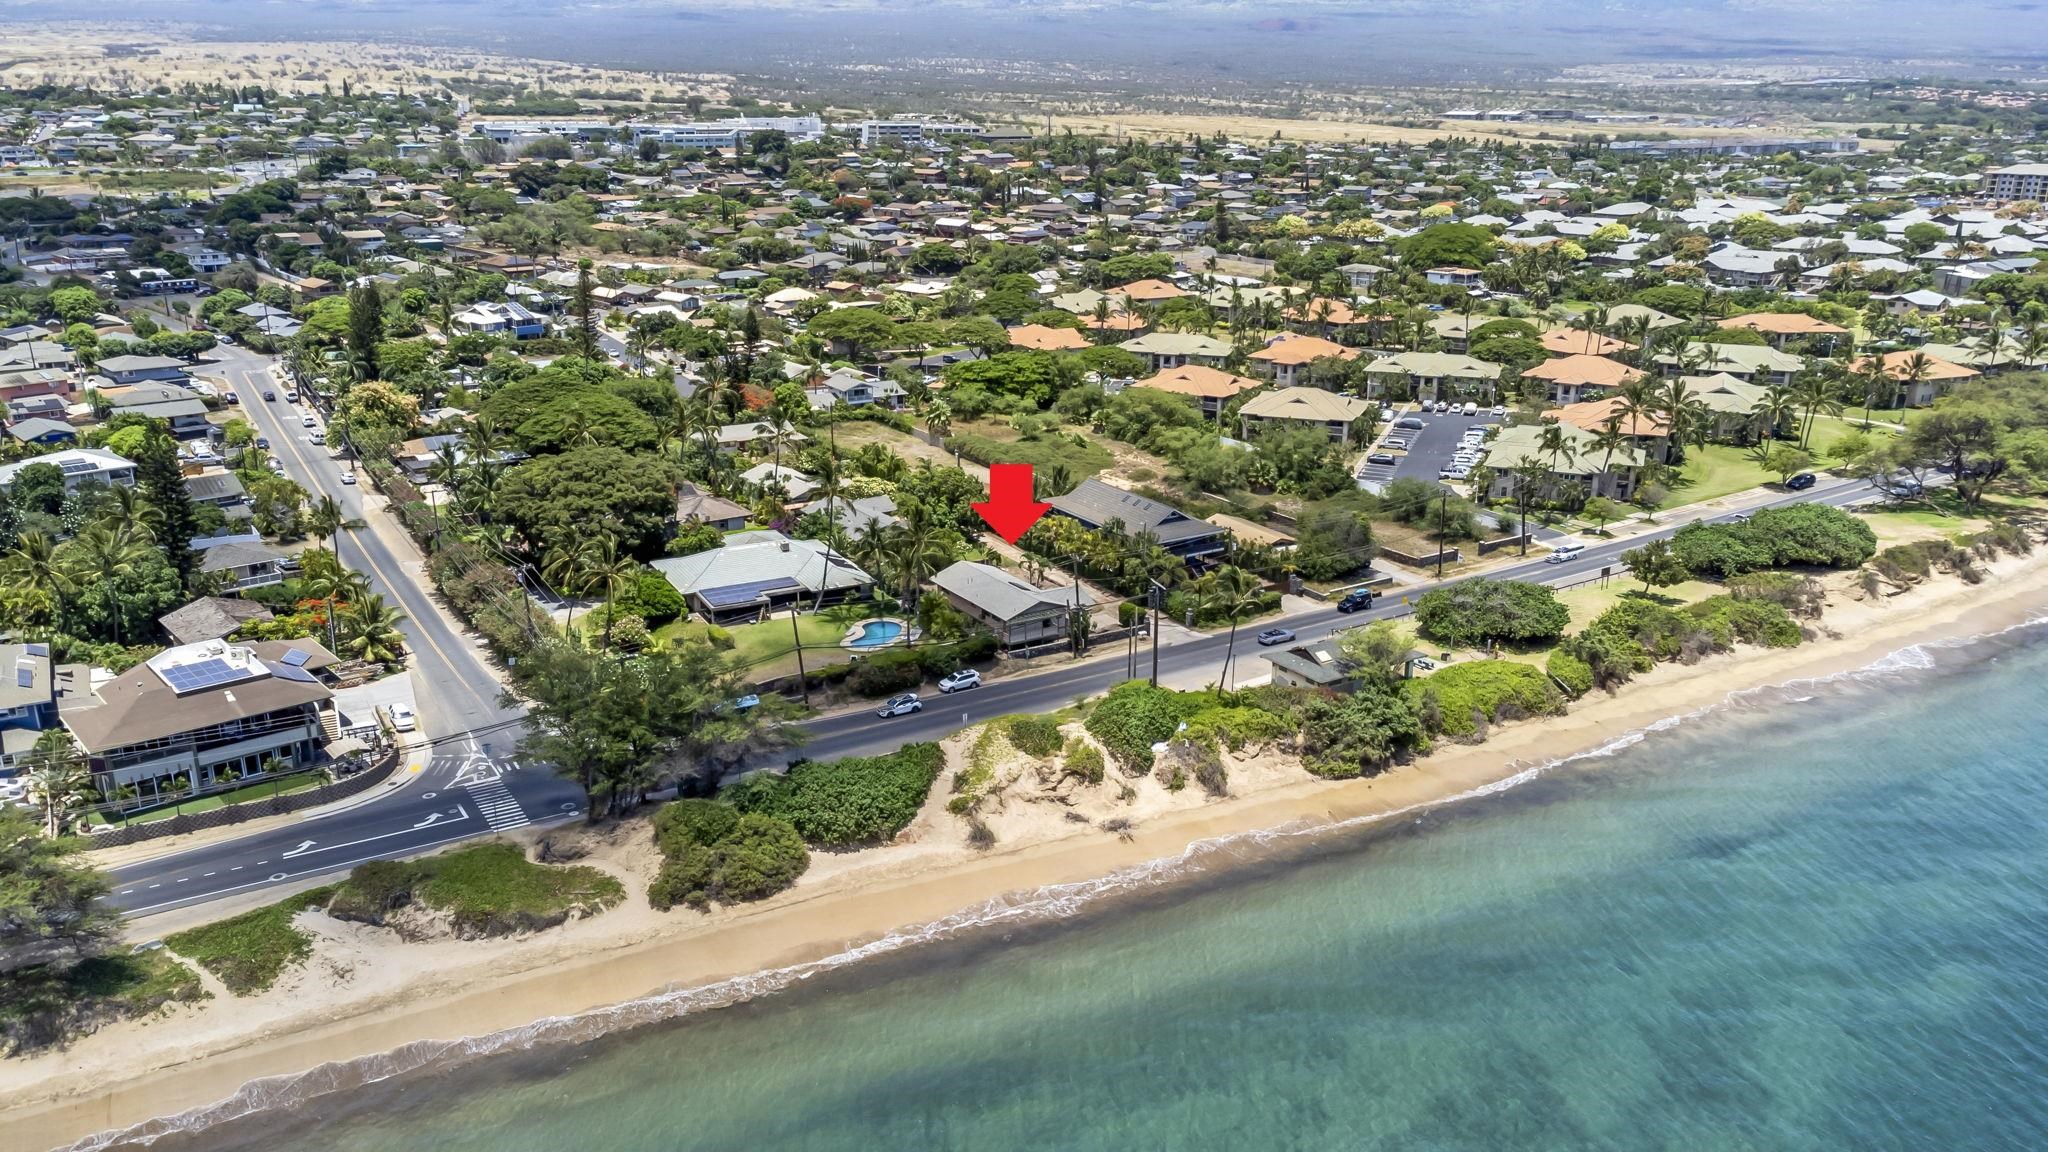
x=1429 y=448
x=358 y=705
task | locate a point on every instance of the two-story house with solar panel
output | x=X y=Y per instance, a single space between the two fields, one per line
x=201 y=711
x=28 y=702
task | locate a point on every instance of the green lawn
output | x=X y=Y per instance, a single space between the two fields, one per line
x=262 y=789
x=999 y=444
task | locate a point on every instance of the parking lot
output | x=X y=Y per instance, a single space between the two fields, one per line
x=1429 y=449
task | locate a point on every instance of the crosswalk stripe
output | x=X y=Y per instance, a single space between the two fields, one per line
x=500 y=808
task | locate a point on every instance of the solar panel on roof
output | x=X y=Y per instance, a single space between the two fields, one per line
x=747 y=593
x=202 y=674
x=36 y=649
x=77 y=466
x=24 y=676
x=297 y=657
x=291 y=672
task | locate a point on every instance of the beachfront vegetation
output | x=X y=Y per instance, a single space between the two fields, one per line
x=847 y=803
x=714 y=853
x=248 y=952
x=488 y=889
x=1479 y=612
x=1801 y=535
x=1636 y=634
x=1461 y=700
x=46 y=1005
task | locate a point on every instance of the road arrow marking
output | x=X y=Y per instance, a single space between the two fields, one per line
x=296 y=851
x=433 y=818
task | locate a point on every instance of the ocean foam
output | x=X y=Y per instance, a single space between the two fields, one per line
x=1057 y=901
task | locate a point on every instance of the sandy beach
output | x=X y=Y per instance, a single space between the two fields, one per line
x=365 y=993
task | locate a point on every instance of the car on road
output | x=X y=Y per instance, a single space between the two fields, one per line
x=307 y=420
x=961 y=681
x=292 y=395
x=348 y=477
x=1382 y=458
x=403 y=719
x=231 y=397
x=1802 y=482
x=316 y=436
x=1564 y=553
x=1272 y=636
x=1357 y=599
x=746 y=703
x=901 y=705
x=270 y=393
x=13 y=791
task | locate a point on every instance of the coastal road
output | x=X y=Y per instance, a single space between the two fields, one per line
x=862 y=733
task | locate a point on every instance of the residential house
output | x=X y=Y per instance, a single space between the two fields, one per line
x=855 y=390
x=1432 y=376
x=127 y=370
x=1019 y=613
x=1040 y=338
x=210 y=618
x=1173 y=349
x=1287 y=356
x=1647 y=433
x=1096 y=504
x=1519 y=446
x=491 y=318
x=196 y=711
x=1759 y=365
x=1321 y=664
x=1569 y=379
x=1575 y=342
x=793 y=485
x=751 y=574
x=1782 y=328
x=694 y=505
x=81 y=466
x=243 y=566
x=1212 y=388
x=178 y=406
x=28 y=701
x=1334 y=413
x=1936 y=377
x=733 y=436
x=1455 y=277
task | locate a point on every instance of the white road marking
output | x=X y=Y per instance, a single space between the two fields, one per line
x=500 y=809
x=299 y=851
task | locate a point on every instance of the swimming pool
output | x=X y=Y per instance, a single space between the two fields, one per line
x=877 y=633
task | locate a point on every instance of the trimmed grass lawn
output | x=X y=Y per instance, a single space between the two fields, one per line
x=1716 y=470
x=767 y=649
x=262 y=789
x=249 y=951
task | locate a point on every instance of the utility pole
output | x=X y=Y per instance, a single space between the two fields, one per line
x=1443 y=534
x=1157 y=593
x=803 y=679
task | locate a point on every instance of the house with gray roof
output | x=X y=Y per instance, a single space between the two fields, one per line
x=1096 y=504
x=751 y=574
x=1018 y=612
x=210 y=618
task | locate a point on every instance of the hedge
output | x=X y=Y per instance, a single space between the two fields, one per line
x=727 y=858
x=1806 y=535
x=896 y=670
x=1459 y=699
x=856 y=801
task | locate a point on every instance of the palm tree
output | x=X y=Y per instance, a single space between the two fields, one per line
x=919 y=547
x=607 y=568
x=1609 y=440
x=326 y=519
x=59 y=779
x=34 y=565
x=1778 y=405
x=1913 y=372
x=938 y=418
x=1234 y=592
x=103 y=554
x=1817 y=396
x=1555 y=445
x=329 y=582
x=370 y=630
x=1687 y=419
x=563 y=568
x=128 y=509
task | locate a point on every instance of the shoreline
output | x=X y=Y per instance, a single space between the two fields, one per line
x=124 y=1076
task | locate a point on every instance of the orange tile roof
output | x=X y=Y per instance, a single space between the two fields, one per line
x=1937 y=368
x=1593 y=415
x=1042 y=338
x=1200 y=380
x=1299 y=350
x=1148 y=290
x=1581 y=369
x=1784 y=324
x=1571 y=342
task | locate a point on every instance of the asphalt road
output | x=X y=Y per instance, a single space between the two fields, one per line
x=862 y=733
x=471 y=785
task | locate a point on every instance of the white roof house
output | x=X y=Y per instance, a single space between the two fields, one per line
x=752 y=572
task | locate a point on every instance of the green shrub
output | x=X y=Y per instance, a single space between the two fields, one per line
x=757 y=857
x=1084 y=760
x=1574 y=674
x=488 y=889
x=1036 y=736
x=1235 y=726
x=49 y=1004
x=372 y=890
x=653 y=597
x=1129 y=612
x=681 y=823
x=1360 y=734
x=1760 y=622
x=1812 y=535
x=249 y=951
x=1472 y=694
x=1473 y=612
x=1133 y=717
x=849 y=802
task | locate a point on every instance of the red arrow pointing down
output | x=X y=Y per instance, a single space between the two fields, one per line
x=1010 y=510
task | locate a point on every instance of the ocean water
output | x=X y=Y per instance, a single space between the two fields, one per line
x=1815 y=918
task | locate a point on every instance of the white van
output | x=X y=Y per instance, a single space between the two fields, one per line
x=1563 y=553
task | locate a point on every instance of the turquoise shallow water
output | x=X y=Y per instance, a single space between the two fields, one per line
x=1815 y=920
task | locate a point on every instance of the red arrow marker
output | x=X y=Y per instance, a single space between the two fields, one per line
x=1010 y=510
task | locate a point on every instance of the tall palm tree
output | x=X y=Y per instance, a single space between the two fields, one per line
x=1234 y=592
x=1609 y=440
x=563 y=568
x=610 y=570
x=920 y=545
x=59 y=779
x=127 y=508
x=369 y=630
x=1912 y=372
x=1687 y=419
x=33 y=564
x=1555 y=445
x=102 y=554
x=1774 y=409
x=1817 y=396
x=323 y=575
x=326 y=519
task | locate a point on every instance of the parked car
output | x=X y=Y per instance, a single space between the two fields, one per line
x=901 y=705
x=1411 y=422
x=1386 y=415
x=231 y=397
x=746 y=703
x=1395 y=442
x=402 y=718
x=1471 y=409
x=1443 y=406
x=1357 y=599
x=1499 y=410
x=1802 y=482
x=292 y=395
x=1382 y=458
x=263 y=441
x=1272 y=636
x=348 y=477
x=961 y=681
